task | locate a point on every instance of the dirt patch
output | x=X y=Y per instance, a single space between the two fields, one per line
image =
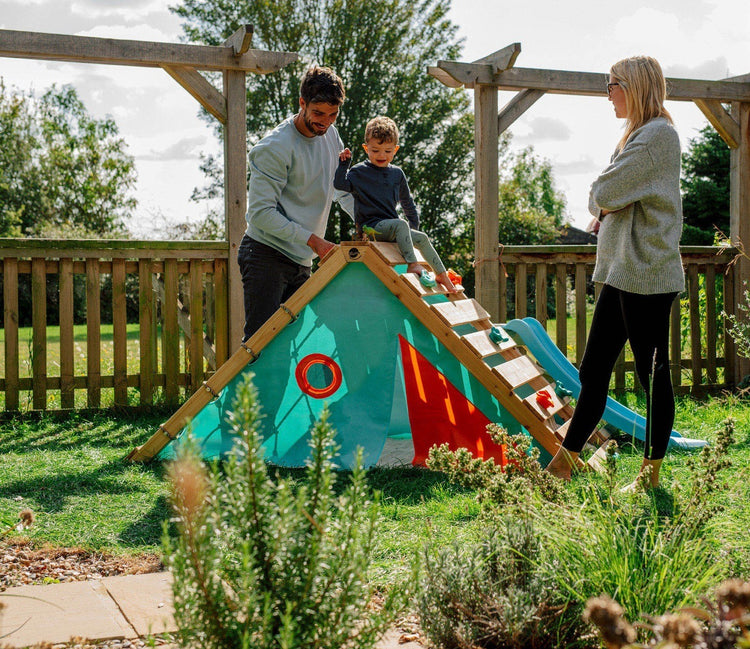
x=21 y=563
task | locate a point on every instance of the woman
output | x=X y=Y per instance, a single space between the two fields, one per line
x=638 y=217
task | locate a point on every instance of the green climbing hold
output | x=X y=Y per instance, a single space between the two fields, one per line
x=497 y=335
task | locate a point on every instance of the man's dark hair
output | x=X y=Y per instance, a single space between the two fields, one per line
x=322 y=85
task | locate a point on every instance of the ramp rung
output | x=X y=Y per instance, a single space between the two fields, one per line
x=392 y=255
x=460 y=312
x=598 y=460
x=413 y=281
x=562 y=430
x=541 y=412
x=517 y=371
x=479 y=342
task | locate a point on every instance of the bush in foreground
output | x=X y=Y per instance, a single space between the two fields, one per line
x=259 y=563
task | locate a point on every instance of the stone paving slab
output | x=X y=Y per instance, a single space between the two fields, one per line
x=145 y=601
x=57 y=612
x=128 y=606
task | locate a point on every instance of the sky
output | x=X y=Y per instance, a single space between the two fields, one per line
x=699 y=39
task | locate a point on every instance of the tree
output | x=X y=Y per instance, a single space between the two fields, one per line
x=531 y=207
x=381 y=50
x=62 y=172
x=705 y=188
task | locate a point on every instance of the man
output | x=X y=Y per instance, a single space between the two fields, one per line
x=291 y=191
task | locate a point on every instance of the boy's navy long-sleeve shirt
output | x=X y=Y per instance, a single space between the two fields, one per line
x=376 y=192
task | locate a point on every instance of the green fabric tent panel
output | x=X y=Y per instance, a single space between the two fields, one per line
x=355 y=321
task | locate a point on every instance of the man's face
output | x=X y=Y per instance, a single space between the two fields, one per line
x=316 y=117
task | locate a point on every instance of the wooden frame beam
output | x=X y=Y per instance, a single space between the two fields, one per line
x=517 y=107
x=726 y=126
x=592 y=84
x=201 y=89
x=111 y=51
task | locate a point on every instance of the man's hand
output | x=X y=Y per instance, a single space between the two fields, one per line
x=346 y=154
x=593 y=226
x=319 y=245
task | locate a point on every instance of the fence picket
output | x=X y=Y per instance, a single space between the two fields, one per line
x=145 y=337
x=10 y=319
x=170 y=332
x=119 y=332
x=711 y=327
x=196 y=324
x=39 y=334
x=67 y=342
x=93 y=334
x=222 y=343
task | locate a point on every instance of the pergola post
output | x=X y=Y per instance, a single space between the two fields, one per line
x=235 y=194
x=739 y=214
x=486 y=227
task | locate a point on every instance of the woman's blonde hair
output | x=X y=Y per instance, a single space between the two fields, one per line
x=645 y=88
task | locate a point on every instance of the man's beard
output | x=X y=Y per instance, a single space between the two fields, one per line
x=313 y=128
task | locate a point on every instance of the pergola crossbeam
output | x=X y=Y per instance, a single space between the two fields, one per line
x=200 y=88
x=502 y=59
x=592 y=84
x=517 y=107
x=726 y=126
x=111 y=51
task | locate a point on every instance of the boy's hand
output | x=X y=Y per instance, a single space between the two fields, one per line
x=346 y=154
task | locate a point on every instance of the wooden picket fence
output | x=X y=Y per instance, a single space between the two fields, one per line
x=702 y=353
x=179 y=292
x=169 y=324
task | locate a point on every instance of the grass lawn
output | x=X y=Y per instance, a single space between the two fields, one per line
x=71 y=472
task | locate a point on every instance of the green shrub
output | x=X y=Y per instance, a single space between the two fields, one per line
x=493 y=595
x=259 y=563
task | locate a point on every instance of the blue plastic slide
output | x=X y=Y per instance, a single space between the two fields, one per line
x=554 y=362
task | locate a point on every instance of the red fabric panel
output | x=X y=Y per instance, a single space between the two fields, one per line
x=439 y=413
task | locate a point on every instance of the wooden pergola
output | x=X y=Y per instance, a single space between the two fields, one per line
x=184 y=63
x=495 y=72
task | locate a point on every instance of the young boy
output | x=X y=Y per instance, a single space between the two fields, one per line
x=377 y=186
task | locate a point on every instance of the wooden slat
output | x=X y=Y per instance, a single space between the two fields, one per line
x=541 y=294
x=581 y=327
x=711 y=327
x=196 y=326
x=90 y=49
x=425 y=291
x=146 y=333
x=620 y=373
x=39 y=325
x=517 y=372
x=67 y=342
x=695 y=323
x=561 y=308
x=119 y=332
x=460 y=312
x=170 y=332
x=221 y=344
x=93 y=334
x=479 y=342
x=730 y=349
x=675 y=352
x=240 y=40
x=10 y=320
x=390 y=253
x=545 y=413
x=521 y=290
x=721 y=120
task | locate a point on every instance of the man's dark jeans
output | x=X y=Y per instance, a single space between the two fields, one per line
x=269 y=278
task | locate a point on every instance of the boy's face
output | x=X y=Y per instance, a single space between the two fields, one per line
x=380 y=153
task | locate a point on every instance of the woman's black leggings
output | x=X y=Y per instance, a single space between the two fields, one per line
x=644 y=321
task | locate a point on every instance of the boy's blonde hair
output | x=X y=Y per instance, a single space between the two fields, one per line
x=381 y=128
x=645 y=88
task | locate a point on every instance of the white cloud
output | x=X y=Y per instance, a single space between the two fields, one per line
x=546 y=128
x=717 y=68
x=137 y=32
x=184 y=149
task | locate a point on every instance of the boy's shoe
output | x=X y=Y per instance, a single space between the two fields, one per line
x=427 y=279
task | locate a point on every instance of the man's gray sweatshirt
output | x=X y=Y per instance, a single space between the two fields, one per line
x=638 y=244
x=291 y=189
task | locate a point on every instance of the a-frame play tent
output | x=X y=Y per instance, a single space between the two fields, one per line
x=390 y=357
